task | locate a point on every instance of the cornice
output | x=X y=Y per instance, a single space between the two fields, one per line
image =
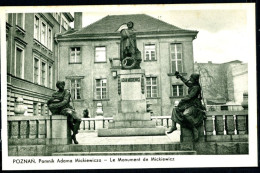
x=108 y=36
x=41 y=54
x=46 y=19
x=20 y=41
x=68 y=16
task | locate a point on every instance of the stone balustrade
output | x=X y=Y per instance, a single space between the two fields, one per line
x=231 y=125
x=90 y=124
x=38 y=130
x=224 y=108
x=223 y=132
x=28 y=129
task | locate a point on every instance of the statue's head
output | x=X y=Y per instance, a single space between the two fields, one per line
x=130 y=25
x=60 y=85
x=194 y=78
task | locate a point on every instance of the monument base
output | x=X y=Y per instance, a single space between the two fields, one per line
x=61 y=134
x=131 y=132
x=132 y=118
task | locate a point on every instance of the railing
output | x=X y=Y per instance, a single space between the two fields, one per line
x=39 y=127
x=90 y=123
x=28 y=129
x=162 y=121
x=224 y=108
x=226 y=123
x=217 y=122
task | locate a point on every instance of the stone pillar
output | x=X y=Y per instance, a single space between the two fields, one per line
x=187 y=135
x=244 y=104
x=99 y=117
x=60 y=132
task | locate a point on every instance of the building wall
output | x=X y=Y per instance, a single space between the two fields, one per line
x=225 y=81
x=35 y=95
x=89 y=71
x=240 y=81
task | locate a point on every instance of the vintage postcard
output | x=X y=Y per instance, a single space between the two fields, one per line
x=128 y=86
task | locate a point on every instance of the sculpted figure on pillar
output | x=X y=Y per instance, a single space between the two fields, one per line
x=190 y=112
x=59 y=104
x=130 y=56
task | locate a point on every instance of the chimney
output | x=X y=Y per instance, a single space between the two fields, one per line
x=77 y=20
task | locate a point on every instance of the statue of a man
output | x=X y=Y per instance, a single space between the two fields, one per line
x=130 y=56
x=60 y=104
x=189 y=112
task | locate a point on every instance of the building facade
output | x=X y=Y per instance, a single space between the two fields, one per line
x=89 y=60
x=223 y=83
x=32 y=58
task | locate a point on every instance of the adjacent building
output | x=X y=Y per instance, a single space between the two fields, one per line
x=223 y=83
x=32 y=58
x=89 y=59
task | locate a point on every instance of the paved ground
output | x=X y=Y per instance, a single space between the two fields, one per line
x=91 y=138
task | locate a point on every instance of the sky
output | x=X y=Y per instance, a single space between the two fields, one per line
x=223 y=32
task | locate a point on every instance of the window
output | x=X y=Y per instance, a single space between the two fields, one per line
x=20 y=20
x=43 y=33
x=50 y=76
x=36 y=70
x=101 y=88
x=19 y=64
x=35 y=108
x=75 y=56
x=150 y=52
x=151 y=87
x=49 y=43
x=177 y=90
x=36 y=27
x=42 y=109
x=100 y=54
x=75 y=88
x=176 y=58
x=43 y=73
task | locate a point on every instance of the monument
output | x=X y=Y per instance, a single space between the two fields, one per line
x=189 y=112
x=63 y=114
x=132 y=118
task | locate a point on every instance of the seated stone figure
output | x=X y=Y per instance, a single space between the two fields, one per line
x=60 y=104
x=189 y=112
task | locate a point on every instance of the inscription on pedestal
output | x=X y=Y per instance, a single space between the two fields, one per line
x=130 y=79
x=131 y=88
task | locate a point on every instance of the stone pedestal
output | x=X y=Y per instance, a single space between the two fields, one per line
x=132 y=118
x=187 y=135
x=99 y=122
x=60 y=132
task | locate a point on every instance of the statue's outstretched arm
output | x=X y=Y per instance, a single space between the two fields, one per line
x=184 y=80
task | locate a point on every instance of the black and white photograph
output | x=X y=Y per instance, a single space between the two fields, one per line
x=128 y=86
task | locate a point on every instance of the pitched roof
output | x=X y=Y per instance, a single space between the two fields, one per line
x=142 y=24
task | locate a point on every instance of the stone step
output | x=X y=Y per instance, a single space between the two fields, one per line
x=125 y=153
x=127 y=147
x=131 y=124
x=132 y=116
x=159 y=130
